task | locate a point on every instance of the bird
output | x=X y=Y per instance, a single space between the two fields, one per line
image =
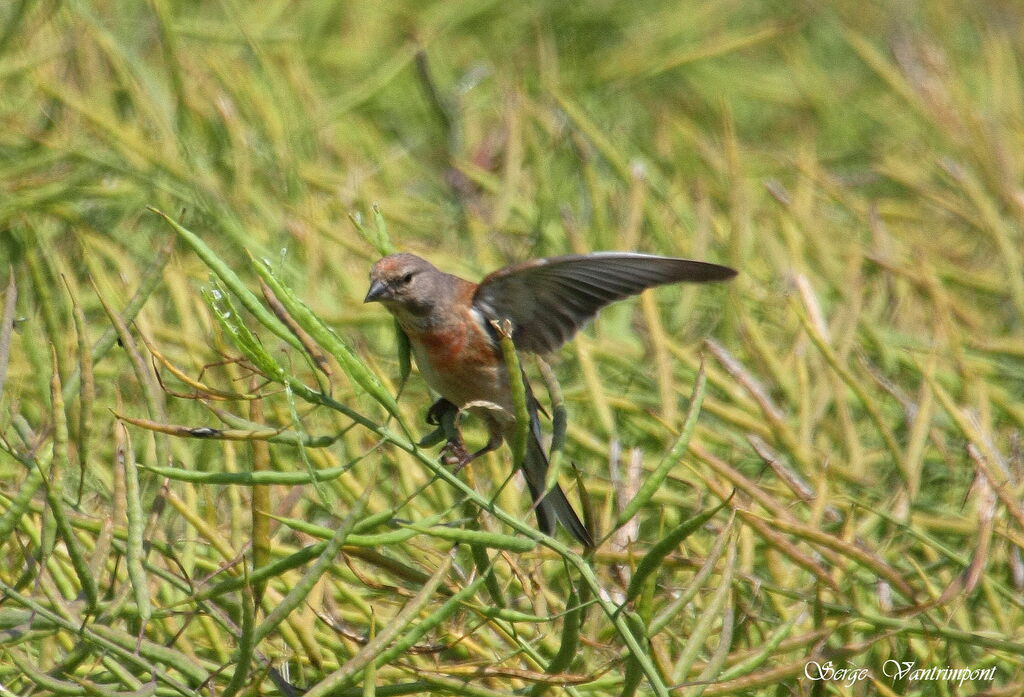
x=451 y=325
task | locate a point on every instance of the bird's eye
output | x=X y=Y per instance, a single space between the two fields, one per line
x=405 y=279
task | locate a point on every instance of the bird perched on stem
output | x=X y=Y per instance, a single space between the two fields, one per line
x=449 y=323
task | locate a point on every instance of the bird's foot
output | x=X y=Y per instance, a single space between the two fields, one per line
x=445 y=415
x=455 y=455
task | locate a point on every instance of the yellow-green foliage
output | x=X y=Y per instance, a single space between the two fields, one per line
x=191 y=195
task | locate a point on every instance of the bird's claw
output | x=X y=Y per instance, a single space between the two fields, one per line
x=455 y=455
x=444 y=415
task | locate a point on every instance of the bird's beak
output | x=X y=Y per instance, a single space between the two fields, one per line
x=377 y=291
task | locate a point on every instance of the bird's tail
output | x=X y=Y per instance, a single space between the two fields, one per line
x=554 y=506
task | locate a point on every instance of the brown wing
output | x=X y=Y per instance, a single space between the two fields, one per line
x=548 y=300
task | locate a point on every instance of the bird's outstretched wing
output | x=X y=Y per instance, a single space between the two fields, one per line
x=548 y=300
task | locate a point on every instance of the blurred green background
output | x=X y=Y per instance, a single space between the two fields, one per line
x=858 y=162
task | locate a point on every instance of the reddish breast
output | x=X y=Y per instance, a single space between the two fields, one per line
x=460 y=363
x=452 y=347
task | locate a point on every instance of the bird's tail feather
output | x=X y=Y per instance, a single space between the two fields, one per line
x=554 y=506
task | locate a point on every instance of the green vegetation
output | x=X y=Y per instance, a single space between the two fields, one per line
x=207 y=484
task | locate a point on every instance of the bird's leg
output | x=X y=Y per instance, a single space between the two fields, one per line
x=454 y=453
x=492 y=444
x=444 y=415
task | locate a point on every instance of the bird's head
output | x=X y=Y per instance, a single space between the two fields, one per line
x=403 y=281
